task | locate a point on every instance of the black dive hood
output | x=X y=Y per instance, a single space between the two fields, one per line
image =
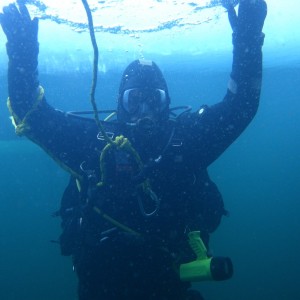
x=143 y=74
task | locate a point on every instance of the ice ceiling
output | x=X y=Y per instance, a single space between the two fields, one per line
x=127 y=29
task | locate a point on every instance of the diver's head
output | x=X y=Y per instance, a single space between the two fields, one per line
x=143 y=95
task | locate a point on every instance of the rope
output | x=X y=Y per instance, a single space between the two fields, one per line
x=124 y=144
x=119 y=142
x=21 y=125
x=95 y=70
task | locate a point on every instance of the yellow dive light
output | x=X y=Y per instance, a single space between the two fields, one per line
x=204 y=267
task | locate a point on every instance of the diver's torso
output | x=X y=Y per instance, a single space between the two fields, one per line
x=171 y=206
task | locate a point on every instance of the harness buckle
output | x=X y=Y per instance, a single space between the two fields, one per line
x=101 y=137
x=176 y=142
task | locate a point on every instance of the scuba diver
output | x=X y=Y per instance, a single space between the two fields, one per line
x=140 y=206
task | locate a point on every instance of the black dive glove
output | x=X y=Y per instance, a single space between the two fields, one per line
x=247 y=39
x=22 y=35
x=247 y=26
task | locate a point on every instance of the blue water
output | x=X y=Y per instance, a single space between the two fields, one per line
x=258 y=176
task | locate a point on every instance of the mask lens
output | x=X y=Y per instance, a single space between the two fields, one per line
x=158 y=100
x=133 y=98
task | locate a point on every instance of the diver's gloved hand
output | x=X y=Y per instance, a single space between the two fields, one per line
x=229 y=3
x=22 y=34
x=248 y=24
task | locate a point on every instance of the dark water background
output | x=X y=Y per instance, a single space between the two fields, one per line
x=258 y=176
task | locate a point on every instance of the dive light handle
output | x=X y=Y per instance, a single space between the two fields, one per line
x=204 y=267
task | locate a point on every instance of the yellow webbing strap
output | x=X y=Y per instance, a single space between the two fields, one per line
x=115 y=222
x=21 y=125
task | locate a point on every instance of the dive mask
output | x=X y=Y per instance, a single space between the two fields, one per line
x=139 y=100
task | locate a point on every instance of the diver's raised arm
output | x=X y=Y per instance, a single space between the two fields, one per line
x=22 y=50
x=247 y=39
x=54 y=131
x=220 y=124
x=242 y=99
